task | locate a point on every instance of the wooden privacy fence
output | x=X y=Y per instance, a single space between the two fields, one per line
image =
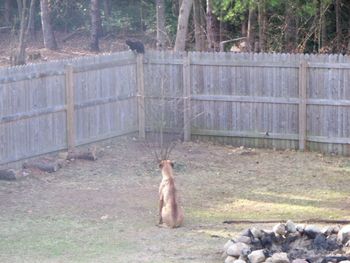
x=58 y=105
x=260 y=100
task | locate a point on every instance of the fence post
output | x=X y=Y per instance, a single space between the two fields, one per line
x=302 y=104
x=70 y=107
x=140 y=95
x=187 y=97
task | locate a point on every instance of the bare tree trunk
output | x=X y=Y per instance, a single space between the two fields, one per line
x=323 y=21
x=182 y=25
x=203 y=21
x=290 y=31
x=142 y=24
x=338 y=25
x=175 y=8
x=244 y=27
x=95 y=21
x=251 y=27
x=30 y=28
x=20 y=56
x=107 y=8
x=348 y=49
x=161 y=32
x=210 y=26
x=317 y=27
x=199 y=32
x=262 y=25
x=19 y=6
x=49 y=37
x=7 y=12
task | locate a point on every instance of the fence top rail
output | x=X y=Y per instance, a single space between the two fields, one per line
x=230 y=59
x=29 y=76
x=52 y=68
x=76 y=69
x=82 y=64
x=329 y=65
x=82 y=59
x=247 y=63
x=237 y=63
x=311 y=57
x=167 y=61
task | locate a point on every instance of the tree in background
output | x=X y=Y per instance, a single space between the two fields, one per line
x=161 y=31
x=251 y=26
x=290 y=35
x=49 y=37
x=338 y=25
x=199 y=25
x=30 y=32
x=7 y=12
x=20 y=54
x=210 y=26
x=266 y=25
x=182 y=25
x=262 y=24
x=95 y=25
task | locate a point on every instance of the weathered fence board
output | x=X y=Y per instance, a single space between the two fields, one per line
x=260 y=100
x=281 y=84
x=164 y=91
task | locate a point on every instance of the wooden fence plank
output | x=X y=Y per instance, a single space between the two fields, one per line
x=141 y=96
x=70 y=107
x=187 y=97
x=302 y=104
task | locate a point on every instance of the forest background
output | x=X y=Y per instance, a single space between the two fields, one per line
x=303 y=26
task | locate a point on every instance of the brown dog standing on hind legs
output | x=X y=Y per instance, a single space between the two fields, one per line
x=170 y=213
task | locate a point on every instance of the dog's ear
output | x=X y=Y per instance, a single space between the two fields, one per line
x=161 y=165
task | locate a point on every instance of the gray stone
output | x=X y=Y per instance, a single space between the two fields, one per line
x=244 y=239
x=300 y=228
x=246 y=232
x=268 y=231
x=230 y=259
x=327 y=230
x=257 y=233
x=336 y=229
x=236 y=249
x=347 y=244
x=279 y=229
x=245 y=252
x=290 y=226
x=257 y=256
x=330 y=230
x=344 y=234
x=299 y=260
x=294 y=235
x=312 y=231
x=228 y=244
x=280 y=258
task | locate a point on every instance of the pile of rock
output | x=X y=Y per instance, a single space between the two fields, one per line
x=288 y=242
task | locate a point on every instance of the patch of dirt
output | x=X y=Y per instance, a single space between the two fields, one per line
x=106 y=211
